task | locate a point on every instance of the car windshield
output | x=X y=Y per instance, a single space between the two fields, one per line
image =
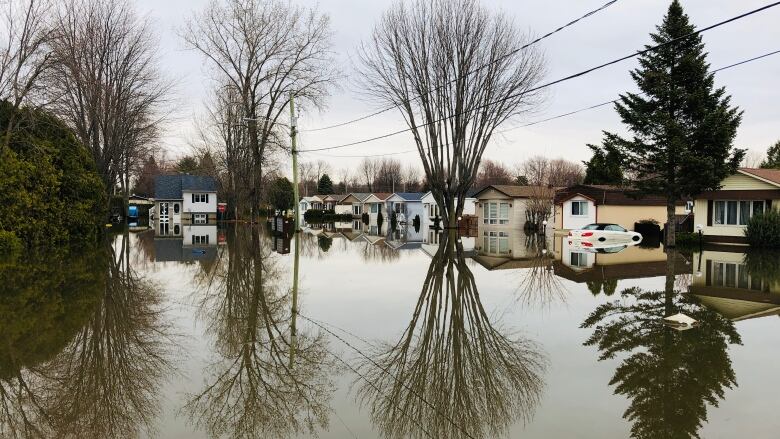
x=614 y=228
x=592 y=227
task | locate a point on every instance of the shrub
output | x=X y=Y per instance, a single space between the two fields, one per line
x=10 y=245
x=380 y=220
x=416 y=223
x=763 y=230
x=393 y=222
x=365 y=218
x=762 y=264
x=313 y=216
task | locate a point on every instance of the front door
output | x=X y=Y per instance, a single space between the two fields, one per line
x=164 y=218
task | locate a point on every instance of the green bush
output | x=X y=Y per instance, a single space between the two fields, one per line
x=313 y=216
x=416 y=223
x=393 y=222
x=763 y=264
x=686 y=239
x=380 y=219
x=763 y=230
x=365 y=218
x=10 y=245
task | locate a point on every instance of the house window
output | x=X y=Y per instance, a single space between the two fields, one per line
x=398 y=207
x=733 y=275
x=495 y=213
x=579 y=208
x=374 y=207
x=200 y=239
x=579 y=259
x=688 y=206
x=200 y=218
x=356 y=209
x=496 y=242
x=433 y=210
x=735 y=213
x=200 y=198
x=175 y=207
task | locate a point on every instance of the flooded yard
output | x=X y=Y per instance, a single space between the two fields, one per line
x=422 y=335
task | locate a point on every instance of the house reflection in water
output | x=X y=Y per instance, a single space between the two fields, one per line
x=186 y=243
x=580 y=264
x=503 y=248
x=738 y=285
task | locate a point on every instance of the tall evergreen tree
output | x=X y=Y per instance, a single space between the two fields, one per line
x=772 y=157
x=281 y=194
x=606 y=164
x=683 y=127
x=325 y=185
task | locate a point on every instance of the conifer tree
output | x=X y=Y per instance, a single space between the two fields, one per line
x=772 y=157
x=606 y=164
x=325 y=185
x=682 y=126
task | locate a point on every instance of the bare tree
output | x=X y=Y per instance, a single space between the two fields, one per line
x=388 y=175
x=493 y=172
x=320 y=168
x=23 y=53
x=541 y=171
x=345 y=177
x=306 y=172
x=565 y=173
x=452 y=69
x=106 y=84
x=753 y=158
x=368 y=172
x=266 y=51
x=411 y=178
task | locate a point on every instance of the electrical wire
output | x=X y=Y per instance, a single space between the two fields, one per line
x=557 y=81
x=559 y=116
x=510 y=53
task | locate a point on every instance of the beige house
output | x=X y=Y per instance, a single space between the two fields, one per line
x=582 y=204
x=723 y=214
x=724 y=282
x=504 y=207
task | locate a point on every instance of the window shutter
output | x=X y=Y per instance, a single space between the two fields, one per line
x=709 y=212
x=207 y=198
x=768 y=204
x=193 y=198
x=708 y=277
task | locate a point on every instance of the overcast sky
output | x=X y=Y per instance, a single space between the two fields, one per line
x=617 y=31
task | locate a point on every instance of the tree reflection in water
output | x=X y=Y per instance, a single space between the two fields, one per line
x=253 y=390
x=453 y=373
x=669 y=376
x=104 y=349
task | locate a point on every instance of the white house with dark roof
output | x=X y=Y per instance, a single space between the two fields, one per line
x=184 y=200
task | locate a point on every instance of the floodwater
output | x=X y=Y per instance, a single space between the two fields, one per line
x=419 y=335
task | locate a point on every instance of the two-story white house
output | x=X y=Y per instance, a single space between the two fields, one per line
x=184 y=200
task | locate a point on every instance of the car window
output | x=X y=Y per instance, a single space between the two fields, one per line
x=591 y=227
x=614 y=228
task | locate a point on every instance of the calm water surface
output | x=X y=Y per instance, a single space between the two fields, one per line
x=422 y=335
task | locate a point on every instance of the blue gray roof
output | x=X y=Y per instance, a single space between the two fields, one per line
x=410 y=196
x=170 y=187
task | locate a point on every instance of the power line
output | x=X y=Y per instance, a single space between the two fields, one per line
x=559 y=116
x=592 y=107
x=557 y=81
x=507 y=55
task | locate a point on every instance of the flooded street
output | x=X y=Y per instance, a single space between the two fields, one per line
x=420 y=335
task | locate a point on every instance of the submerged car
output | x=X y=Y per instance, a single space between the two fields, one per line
x=606 y=233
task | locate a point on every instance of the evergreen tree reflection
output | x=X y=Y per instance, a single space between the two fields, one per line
x=255 y=387
x=85 y=347
x=107 y=379
x=452 y=373
x=670 y=376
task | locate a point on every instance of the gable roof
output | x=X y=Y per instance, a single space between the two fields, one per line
x=336 y=197
x=771 y=176
x=410 y=196
x=609 y=195
x=170 y=187
x=518 y=191
x=361 y=196
x=382 y=196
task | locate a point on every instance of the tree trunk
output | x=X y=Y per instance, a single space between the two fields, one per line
x=671 y=224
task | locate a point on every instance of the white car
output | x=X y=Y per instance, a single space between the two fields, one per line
x=606 y=235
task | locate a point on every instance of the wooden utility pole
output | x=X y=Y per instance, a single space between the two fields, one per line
x=293 y=134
